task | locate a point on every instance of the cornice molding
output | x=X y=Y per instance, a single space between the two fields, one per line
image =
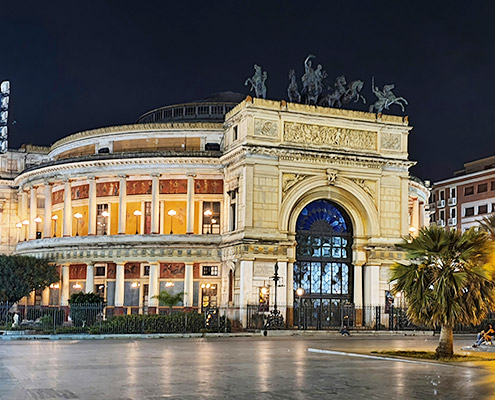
x=135 y=128
x=104 y=165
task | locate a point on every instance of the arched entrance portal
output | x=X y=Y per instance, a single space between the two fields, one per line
x=323 y=267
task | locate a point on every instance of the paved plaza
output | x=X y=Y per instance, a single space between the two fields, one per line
x=233 y=368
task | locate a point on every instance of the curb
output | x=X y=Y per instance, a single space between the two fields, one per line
x=273 y=333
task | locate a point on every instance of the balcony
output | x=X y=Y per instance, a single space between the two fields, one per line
x=452 y=201
x=440 y=203
x=452 y=221
x=113 y=248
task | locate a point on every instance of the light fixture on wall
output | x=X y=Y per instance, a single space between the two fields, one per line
x=54 y=286
x=137 y=213
x=135 y=285
x=77 y=286
x=37 y=220
x=54 y=218
x=171 y=213
x=77 y=216
x=25 y=223
x=169 y=284
x=208 y=214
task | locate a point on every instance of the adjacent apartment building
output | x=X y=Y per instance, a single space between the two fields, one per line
x=460 y=202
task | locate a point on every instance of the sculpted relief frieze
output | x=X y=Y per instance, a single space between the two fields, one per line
x=265 y=128
x=391 y=141
x=329 y=136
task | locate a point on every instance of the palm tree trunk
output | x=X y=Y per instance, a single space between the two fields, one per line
x=445 y=346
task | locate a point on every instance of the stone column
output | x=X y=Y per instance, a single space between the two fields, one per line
x=142 y=218
x=33 y=211
x=155 y=203
x=90 y=278
x=92 y=206
x=47 y=227
x=122 y=204
x=372 y=285
x=246 y=289
x=161 y=217
x=190 y=203
x=24 y=208
x=154 y=288
x=290 y=292
x=358 y=285
x=45 y=297
x=64 y=293
x=119 y=288
x=188 y=285
x=67 y=227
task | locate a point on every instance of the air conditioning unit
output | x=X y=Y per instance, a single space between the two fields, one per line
x=452 y=201
x=452 y=221
x=441 y=222
x=441 y=203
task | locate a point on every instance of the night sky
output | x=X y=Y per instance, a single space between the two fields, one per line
x=82 y=65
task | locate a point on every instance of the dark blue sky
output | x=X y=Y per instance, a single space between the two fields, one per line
x=82 y=65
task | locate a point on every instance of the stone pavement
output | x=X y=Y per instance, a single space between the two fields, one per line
x=233 y=368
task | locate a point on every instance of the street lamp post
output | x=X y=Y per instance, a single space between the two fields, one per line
x=299 y=292
x=55 y=218
x=137 y=213
x=208 y=213
x=171 y=213
x=275 y=319
x=77 y=216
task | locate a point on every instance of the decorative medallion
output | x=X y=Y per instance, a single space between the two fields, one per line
x=391 y=141
x=265 y=128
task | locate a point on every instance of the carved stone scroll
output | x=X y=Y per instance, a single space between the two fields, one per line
x=367 y=186
x=290 y=180
x=332 y=176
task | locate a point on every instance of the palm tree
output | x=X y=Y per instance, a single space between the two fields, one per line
x=169 y=299
x=487 y=224
x=449 y=280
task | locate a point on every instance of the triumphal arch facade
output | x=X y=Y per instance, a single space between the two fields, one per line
x=207 y=198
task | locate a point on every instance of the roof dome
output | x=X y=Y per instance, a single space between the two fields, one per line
x=210 y=109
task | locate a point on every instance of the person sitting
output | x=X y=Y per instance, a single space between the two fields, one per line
x=485 y=336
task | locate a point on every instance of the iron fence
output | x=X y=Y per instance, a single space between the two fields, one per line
x=98 y=319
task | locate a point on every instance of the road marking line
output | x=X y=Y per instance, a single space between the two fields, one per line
x=343 y=353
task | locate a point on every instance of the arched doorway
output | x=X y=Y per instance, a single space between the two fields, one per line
x=323 y=267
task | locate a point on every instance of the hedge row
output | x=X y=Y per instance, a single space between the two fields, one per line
x=180 y=322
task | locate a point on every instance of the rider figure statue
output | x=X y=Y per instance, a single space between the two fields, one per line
x=257 y=82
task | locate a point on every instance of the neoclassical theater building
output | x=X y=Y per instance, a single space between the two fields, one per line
x=205 y=198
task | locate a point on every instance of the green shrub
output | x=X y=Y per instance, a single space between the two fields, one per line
x=180 y=322
x=85 y=308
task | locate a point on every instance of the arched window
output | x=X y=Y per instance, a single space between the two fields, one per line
x=323 y=266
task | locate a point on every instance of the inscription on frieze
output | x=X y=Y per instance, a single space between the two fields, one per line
x=328 y=136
